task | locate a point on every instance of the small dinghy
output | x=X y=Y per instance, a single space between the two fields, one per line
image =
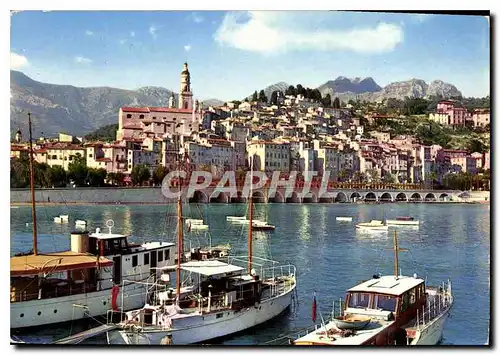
x=372 y=225
x=193 y=221
x=61 y=219
x=198 y=226
x=352 y=321
x=344 y=219
x=403 y=221
x=235 y=218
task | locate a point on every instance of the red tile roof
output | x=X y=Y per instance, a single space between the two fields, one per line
x=135 y=109
x=173 y=110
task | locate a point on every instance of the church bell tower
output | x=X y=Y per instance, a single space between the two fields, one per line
x=185 y=94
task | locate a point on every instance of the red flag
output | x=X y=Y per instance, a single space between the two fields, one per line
x=314 y=308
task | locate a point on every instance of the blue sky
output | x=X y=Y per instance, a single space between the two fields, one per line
x=230 y=54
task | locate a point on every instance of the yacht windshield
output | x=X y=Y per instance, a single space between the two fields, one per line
x=359 y=300
x=384 y=302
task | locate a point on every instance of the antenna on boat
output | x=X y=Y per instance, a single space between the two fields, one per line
x=32 y=188
x=250 y=219
x=397 y=249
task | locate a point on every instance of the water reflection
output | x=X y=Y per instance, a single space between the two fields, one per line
x=330 y=257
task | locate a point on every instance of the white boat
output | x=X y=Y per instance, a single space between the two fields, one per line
x=64 y=217
x=84 y=281
x=372 y=225
x=193 y=221
x=61 y=219
x=344 y=219
x=64 y=286
x=198 y=226
x=235 y=218
x=387 y=310
x=80 y=224
x=219 y=299
x=403 y=221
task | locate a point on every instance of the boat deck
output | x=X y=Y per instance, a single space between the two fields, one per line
x=330 y=334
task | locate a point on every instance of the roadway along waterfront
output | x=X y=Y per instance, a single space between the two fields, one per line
x=453 y=241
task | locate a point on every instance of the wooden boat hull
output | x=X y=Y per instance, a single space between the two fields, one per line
x=196 y=329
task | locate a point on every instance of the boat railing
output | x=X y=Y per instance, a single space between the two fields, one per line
x=437 y=304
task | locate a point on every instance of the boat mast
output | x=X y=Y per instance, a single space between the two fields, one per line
x=32 y=188
x=250 y=219
x=397 y=249
x=180 y=233
x=396 y=261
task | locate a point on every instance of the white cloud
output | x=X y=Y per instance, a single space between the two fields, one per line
x=419 y=18
x=270 y=32
x=152 y=31
x=196 y=18
x=132 y=34
x=123 y=41
x=83 y=60
x=17 y=61
x=187 y=47
x=89 y=33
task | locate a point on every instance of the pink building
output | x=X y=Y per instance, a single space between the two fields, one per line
x=158 y=122
x=449 y=115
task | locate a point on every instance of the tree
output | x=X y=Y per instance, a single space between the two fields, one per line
x=58 y=176
x=316 y=95
x=359 y=177
x=475 y=145
x=105 y=133
x=140 y=174
x=77 y=170
x=159 y=174
x=262 y=96
x=336 y=103
x=344 y=174
x=327 y=101
x=254 y=96
x=96 y=177
x=374 y=175
x=19 y=173
x=274 y=98
x=300 y=90
x=291 y=91
x=389 y=178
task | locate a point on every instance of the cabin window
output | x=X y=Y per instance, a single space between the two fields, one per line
x=160 y=255
x=167 y=254
x=405 y=303
x=384 y=302
x=359 y=300
x=134 y=261
x=129 y=115
x=413 y=295
x=146 y=258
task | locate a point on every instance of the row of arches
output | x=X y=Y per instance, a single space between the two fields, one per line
x=259 y=197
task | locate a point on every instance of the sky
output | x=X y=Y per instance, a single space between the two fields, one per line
x=231 y=54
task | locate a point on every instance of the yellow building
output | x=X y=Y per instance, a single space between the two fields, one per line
x=270 y=156
x=63 y=154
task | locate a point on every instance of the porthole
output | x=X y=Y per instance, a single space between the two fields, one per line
x=39 y=313
x=55 y=310
x=22 y=315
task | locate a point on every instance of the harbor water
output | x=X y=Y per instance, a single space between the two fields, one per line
x=453 y=241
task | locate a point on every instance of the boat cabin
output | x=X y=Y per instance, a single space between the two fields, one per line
x=214 y=285
x=390 y=296
x=95 y=262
